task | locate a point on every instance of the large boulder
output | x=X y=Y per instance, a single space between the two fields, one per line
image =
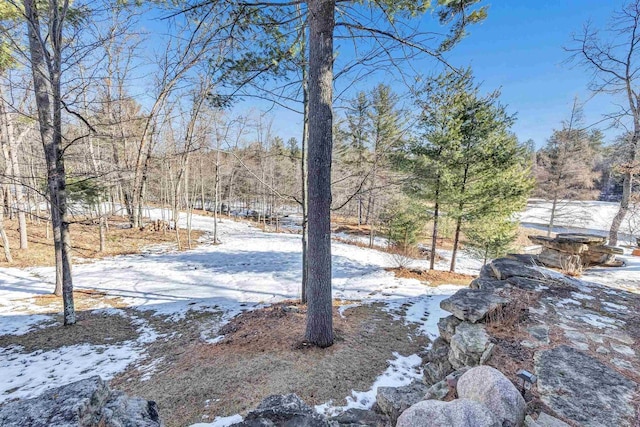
x=472 y=305
x=582 y=389
x=283 y=410
x=457 y=413
x=392 y=401
x=88 y=402
x=470 y=346
x=438 y=365
x=490 y=387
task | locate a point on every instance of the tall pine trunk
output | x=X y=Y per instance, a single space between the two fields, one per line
x=319 y=330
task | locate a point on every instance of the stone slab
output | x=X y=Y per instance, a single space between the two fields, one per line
x=472 y=305
x=582 y=389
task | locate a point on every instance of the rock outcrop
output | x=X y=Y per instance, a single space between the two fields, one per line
x=84 y=403
x=593 y=394
x=572 y=249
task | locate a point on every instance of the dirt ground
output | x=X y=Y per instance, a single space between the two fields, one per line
x=262 y=354
x=433 y=277
x=85 y=241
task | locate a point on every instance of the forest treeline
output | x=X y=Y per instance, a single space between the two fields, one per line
x=100 y=118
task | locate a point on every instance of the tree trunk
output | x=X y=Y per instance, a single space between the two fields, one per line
x=216 y=195
x=554 y=205
x=627 y=183
x=46 y=70
x=3 y=236
x=622 y=211
x=303 y=171
x=15 y=172
x=456 y=241
x=434 y=234
x=319 y=330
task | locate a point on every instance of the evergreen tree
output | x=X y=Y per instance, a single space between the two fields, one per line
x=467 y=162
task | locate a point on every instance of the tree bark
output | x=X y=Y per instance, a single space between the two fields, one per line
x=434 y=233
x=3 y=236
x=319 y=330
x=15 y=172
x=46 y=70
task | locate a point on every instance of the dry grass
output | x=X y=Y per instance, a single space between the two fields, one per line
x=434 y=277
x=82 y=299
x=92 y=328
x=263 y=354
x=85 y=241
x=522 y=239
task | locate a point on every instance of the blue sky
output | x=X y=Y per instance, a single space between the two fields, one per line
x=519 y=49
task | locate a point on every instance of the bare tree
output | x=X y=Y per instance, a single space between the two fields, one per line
x=613 y=59
x=45 y=30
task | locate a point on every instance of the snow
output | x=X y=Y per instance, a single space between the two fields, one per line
x=221 y=421
x=27 y=375
x=249 y=269
x=401 y=371
x=592 y=217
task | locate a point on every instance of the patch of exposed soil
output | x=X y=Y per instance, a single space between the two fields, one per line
x=263 y=353
x=434 y=277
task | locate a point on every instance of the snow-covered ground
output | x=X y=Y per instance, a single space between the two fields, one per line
x=580 y=216
x=248 y=269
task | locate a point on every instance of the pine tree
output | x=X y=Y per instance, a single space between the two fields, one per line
x=467 y=162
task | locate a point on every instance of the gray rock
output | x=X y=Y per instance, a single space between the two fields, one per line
x=504 y=268
x=623 y=349
x=487 y=272
x=124 y=411
x=490 y=387
x=472 y=305
x=458 y=413
x=360 y=418
x=470 y=346
x=284 y=410
x=87 y=402
x=392 y=401
x=488 y=284
x=544 y=420
x=582 y=389
x=539 y=332
x=438 y=391
x=447 y=327
x=438 y=365
x=526 y=283
x=452 y=378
